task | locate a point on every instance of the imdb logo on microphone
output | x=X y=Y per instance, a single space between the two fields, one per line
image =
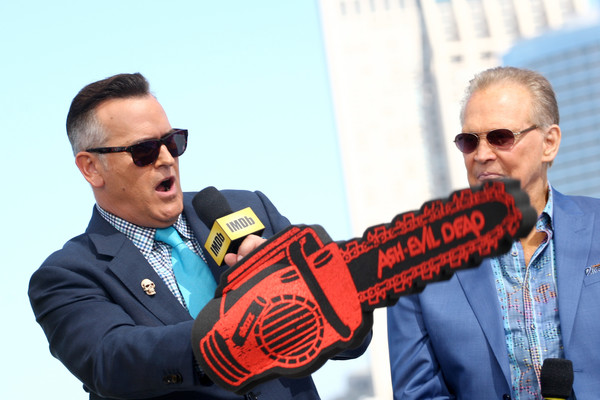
x=228 y=232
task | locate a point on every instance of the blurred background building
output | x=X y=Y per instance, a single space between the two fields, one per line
x=398 y=69
x=570 y=59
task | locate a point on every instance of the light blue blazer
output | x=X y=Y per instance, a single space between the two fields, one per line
x=448 y=341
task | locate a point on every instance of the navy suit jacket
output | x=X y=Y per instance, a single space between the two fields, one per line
x=448 y=341
x=122 y=343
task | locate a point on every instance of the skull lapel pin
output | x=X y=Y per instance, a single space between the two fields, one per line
x=148 y=287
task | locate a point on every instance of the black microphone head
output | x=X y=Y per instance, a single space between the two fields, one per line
x=210 y=205
x=556 y=378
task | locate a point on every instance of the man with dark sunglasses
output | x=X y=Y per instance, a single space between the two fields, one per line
x=109 y=301
x=485 y=333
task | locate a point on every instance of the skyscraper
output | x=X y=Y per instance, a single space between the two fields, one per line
x=570 y=59
x=397 y=70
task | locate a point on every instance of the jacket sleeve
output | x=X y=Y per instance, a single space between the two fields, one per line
x=275 y=219
x=415 y=371
x=106 y=340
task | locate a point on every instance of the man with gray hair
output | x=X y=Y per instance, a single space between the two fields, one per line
x=485 y=333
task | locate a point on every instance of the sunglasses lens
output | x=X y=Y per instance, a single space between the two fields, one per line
x=176 y=143
x=145 y=153
x=466 y=142
x=501 y=138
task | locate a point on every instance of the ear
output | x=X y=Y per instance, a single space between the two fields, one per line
x=91 y=168
x=551 y=143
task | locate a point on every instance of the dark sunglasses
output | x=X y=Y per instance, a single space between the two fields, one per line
x=501 y=139
x=146 y=152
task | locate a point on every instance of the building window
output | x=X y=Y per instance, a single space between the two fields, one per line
x=538 y=11
x=448 y=20
x=480 y=23
x=509 y=19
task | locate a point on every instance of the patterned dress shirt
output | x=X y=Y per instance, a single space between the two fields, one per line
x=529 y=304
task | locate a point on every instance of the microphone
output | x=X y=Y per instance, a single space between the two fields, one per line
x=228 y=228
x=556 y=379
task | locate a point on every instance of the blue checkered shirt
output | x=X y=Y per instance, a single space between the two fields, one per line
x=157 y=253
x=529 y=304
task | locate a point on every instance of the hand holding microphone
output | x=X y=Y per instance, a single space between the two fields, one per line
x=229 y=229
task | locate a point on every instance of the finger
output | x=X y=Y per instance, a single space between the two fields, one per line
x=230 y=259
x=248 y=245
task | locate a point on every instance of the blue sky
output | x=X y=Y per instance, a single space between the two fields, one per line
x=247 y=78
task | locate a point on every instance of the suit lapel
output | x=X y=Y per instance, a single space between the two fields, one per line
x=201 y=232
x=480 y=289
x=130 y=267
x=573 y=235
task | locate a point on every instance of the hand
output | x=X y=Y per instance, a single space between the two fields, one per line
x=250 y=243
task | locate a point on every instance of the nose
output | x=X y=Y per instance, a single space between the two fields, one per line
x=484 y=151
x=164 y=157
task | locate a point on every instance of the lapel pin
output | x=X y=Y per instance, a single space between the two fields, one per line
x=594 y=269
x=149 y=287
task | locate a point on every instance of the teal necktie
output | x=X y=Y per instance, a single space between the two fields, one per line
x=195 y=281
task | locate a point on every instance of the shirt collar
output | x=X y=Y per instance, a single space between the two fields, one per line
x=143 y=237
x=546 y=217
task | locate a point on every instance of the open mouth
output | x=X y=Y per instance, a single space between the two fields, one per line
x=166 y=185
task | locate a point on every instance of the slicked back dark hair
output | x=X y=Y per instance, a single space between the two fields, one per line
x=83 y=129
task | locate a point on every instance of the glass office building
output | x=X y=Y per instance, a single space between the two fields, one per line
x=570 y=59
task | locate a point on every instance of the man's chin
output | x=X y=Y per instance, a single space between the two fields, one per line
x=169 y=215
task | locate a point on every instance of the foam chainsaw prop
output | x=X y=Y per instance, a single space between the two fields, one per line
x=300 y=298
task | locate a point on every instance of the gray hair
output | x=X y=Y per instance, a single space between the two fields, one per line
x=87 y=133
x=83 y=128
x=544 y=109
